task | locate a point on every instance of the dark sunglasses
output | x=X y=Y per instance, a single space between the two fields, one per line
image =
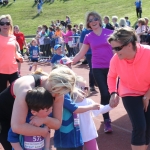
x=4 y=23
x=85 y=88
x=91 y=20
x=119 y=48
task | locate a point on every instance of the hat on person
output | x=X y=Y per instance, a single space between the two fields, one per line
x=57 y=46
x=65 y=61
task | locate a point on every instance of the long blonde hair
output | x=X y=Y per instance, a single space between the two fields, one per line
x=11 y=22
x=62 y=80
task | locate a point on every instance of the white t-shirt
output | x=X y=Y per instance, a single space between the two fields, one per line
x=140 y=29
x=87 y=126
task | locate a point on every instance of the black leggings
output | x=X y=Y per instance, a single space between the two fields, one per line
x=6 y=105
x=100 y=76
x=139 y=118
x=7 y=77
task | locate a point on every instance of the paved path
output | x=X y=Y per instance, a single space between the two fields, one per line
x=120 y=138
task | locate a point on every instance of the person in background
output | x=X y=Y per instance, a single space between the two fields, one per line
x=81 y=27
x=22 y=42
x=68 y=40
x=68 y=21
x=52 y=39
x=138 y=5
x=39 y=102
x=34 y=54
x=131 y=64
x=101 y=56
x=114 y=20
x=122 y=22
x=88 y=56
x=108 y=25
x=66 y=61
x=75 y=41
x=39 y=8
x=127 y=21
x=141 y=30
x=8 y=65
x=58 y=55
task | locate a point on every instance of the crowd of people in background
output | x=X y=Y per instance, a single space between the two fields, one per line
x=115 y=53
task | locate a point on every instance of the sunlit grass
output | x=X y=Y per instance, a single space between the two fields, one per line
x=24 y=12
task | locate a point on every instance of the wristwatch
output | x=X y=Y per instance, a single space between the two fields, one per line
x=144 y=97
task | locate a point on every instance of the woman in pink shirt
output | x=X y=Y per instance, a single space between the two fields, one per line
x=8 y=52
x=101 y=55
x=68 y=39
x=131 y=65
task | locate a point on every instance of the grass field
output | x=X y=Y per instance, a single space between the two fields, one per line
x=24 y=12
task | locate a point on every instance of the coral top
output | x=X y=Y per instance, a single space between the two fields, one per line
x=134 y=74
x=8 y=64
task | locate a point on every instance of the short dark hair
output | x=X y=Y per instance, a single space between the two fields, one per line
x=39 y=98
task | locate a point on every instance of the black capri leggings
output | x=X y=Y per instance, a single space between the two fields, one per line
x=6 y=105
x=139 y=118
x=100 y=76
x=7 y=77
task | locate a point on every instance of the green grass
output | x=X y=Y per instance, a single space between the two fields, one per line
x=24 y=12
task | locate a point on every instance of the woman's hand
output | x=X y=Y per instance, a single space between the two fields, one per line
x=114 y=100
x=146 y=99
x=145 y=103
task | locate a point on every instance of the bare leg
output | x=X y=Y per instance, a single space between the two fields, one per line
x=142 y=147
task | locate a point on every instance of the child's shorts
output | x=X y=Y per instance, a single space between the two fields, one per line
x=34 y=60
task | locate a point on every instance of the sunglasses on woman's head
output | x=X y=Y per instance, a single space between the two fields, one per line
x=91 y=20
x=85 y=88
x=4 y=23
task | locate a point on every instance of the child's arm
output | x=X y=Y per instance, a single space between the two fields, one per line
x=47 y=141
x=103 y=109
x=82 y=109
x=16 y=146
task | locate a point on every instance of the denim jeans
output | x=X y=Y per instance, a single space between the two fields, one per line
x=100 y=76
x=91 y=77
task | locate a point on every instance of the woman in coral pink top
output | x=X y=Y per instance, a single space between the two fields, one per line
x=8 y=53
x=131 y=65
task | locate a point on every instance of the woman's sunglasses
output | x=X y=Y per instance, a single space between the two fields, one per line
x=119 y=48
x=4 y=23
x=85 y=88
x=91 y=20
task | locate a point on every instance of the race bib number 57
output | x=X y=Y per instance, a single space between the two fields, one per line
x=33 y=143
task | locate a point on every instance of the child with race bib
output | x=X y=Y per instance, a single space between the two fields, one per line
x=40 y=103
x=86 y=123
x=34 y=54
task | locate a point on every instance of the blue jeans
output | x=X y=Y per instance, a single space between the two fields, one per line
x=100 y=76
x=91 y=77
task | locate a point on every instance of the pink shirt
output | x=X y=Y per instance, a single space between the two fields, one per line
x=8 y=64
x=66 y=36
x=101 y=50
x=134 y=75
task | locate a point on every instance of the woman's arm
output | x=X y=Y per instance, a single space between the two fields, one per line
x=81 y=53
x=19 y=114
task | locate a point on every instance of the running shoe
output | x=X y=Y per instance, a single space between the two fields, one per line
x=30 y=68
x=107 y=126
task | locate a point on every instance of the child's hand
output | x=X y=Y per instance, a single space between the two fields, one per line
x=36 y=121
x=95 y=106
